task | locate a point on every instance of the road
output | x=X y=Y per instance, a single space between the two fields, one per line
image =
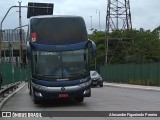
x=103 y=99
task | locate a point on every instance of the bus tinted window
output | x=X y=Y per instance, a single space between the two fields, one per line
x=59 y=30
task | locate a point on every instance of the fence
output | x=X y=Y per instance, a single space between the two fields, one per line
x=12 y=73
x=145 y=74
x=142 y=74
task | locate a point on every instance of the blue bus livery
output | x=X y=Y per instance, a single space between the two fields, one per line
x=59 y=53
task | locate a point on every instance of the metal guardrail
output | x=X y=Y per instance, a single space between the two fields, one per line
x=8 y=88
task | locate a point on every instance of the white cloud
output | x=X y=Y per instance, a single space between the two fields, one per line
x=145 y=13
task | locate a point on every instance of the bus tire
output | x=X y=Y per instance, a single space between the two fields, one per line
x=80 y=99
x=30 y=92
x=33 y=97
x=36 y=101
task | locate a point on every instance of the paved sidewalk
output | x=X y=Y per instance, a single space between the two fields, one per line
x=132 y=86
x=4 y=99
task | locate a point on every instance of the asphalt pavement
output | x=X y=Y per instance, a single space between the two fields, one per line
x=112 y=97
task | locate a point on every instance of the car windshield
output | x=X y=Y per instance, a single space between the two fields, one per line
x=93 y=73
x=60 y=64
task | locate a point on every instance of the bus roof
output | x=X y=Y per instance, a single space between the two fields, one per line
x=52 y=16
x=58 y=29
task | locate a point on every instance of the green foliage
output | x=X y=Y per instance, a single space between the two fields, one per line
x=143 y=46
x=99 y=38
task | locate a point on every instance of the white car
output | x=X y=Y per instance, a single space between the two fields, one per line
x=96 y=79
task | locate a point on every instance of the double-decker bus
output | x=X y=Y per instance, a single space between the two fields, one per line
x=59 y=54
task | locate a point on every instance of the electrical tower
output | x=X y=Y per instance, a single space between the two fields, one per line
x=118 y=18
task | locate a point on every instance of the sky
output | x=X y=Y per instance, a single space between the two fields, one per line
x=145 y=13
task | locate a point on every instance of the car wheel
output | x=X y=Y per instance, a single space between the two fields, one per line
x=101 y=85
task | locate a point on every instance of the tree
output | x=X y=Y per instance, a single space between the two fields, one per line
x=143 y=46
x=99 y=38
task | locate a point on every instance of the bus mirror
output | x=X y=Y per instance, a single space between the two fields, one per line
x=92 y=47
x=28 y=50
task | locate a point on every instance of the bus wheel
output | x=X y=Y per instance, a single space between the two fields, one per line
x=33 y=97
x=29 y=88
x=36 y=101
x=80 y=99
x=29 y=92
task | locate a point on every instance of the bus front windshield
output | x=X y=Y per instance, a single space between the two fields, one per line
x=56 y=65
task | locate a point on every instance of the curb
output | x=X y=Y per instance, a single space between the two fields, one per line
x=2 y=103
x=151 y=88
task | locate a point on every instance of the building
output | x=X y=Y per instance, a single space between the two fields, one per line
x=13 y=35
x=10 y=45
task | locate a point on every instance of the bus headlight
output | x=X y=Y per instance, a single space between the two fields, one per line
x=37 y=86
x=38 y=94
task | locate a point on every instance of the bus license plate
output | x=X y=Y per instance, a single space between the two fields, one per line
x=63 y=95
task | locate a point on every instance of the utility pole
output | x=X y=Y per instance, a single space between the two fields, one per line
x=118 y=18
x=20 y=35
x=20 y=23
x=91 y=22
x=0 y=42
x=99 y=18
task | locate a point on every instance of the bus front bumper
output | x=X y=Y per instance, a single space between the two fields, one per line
x=42 y=92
